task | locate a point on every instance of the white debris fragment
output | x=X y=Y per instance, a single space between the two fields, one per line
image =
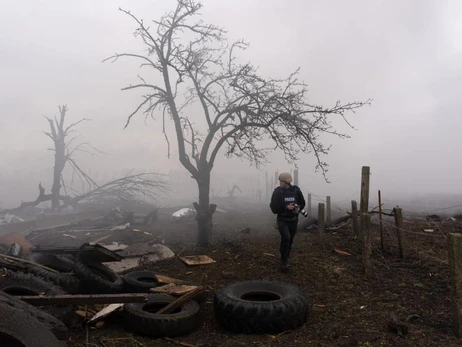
x=115 y=246
x=10 y=218
x=184 y=212
x=106 y=311
x=138 y=254
x=121 y=227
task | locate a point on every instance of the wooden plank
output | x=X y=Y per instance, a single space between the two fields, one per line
x=55 y=250
x=166 y=280
x=82 y=299
x=180 y=301
x=197 y=260
x=174 y=289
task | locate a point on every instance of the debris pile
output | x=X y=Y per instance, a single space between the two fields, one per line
x=57 y=289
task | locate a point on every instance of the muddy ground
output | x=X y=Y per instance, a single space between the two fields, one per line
x=348 y=309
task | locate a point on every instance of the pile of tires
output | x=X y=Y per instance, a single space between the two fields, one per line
x=250 y=307
x=63 y=274
x=17 y=283
x=96 y=278
x=260 y=307
x=24 y=325
x=141 y=318
x=20 y=325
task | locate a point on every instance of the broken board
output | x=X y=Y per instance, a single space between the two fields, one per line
x=174 y=289
x=197 y=260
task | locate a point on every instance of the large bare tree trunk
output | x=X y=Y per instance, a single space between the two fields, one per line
x=204 y=209
x=60 y=162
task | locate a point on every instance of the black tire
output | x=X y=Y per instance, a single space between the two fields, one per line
x=19 y=329
x=142 y=319
x=57 y=262
x=16 y=283
x=55 y=325
x=140 y=281
x=260 y=307
x=97 y=278
x=69 y=283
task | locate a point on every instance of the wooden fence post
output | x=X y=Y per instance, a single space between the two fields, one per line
x=380 y=221
x=354 y=216
x=364 y=202
x=328 y=211
x=309 y=204
x=366 y=242
x=398 y=212
x=455 y=268
x=321 y=223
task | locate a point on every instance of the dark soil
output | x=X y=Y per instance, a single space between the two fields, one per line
x=348 y=308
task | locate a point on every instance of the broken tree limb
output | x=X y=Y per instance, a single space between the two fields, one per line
x=129 y=188
x=82 y=299
x=42 y=197
x=180 y=301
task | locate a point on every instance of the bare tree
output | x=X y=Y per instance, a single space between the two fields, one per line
x=132 y=188
x=59 y=134
x=240 y=108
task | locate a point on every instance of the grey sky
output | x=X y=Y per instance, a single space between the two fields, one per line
x=406 y=55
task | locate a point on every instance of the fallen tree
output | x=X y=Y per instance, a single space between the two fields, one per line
x=131 y=188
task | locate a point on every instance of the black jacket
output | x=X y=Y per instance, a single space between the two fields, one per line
x=282 y=197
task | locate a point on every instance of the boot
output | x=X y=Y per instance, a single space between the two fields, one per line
x=284 y=267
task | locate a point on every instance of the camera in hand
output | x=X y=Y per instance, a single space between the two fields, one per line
x=303 y=212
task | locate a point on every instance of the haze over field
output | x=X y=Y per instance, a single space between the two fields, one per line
x=406 y=56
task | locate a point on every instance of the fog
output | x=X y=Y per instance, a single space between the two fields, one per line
x=405 y=55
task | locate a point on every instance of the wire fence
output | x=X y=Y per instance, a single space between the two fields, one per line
x=424 y=240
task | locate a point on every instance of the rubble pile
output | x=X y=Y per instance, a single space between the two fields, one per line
x=46 y=291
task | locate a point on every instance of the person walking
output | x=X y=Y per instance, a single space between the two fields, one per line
x=286 y=202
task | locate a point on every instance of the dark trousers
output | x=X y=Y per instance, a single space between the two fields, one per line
x=287 y=230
